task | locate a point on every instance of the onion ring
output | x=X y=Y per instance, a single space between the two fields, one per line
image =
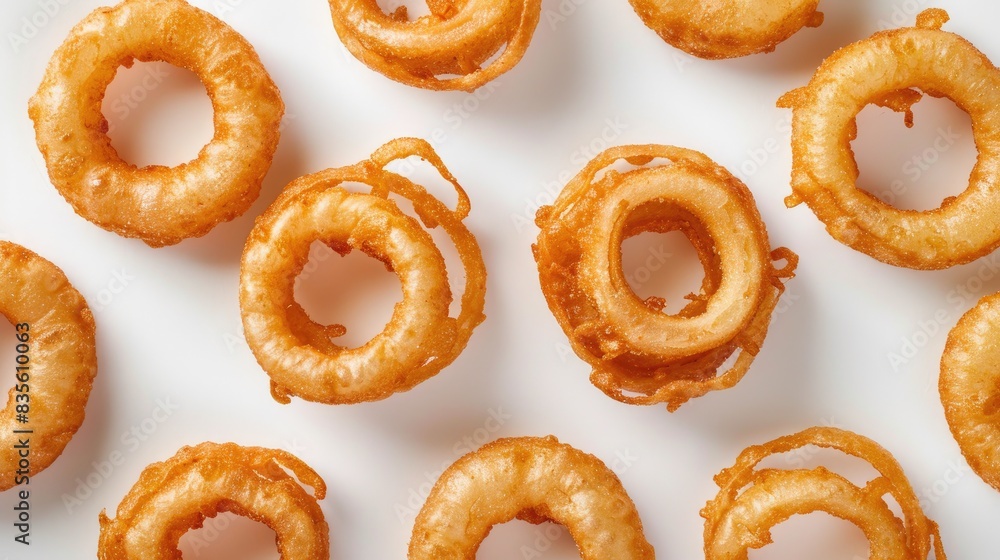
x=420 y=339
x=751 y=502
x=970 y=387
x=160 y=205
x=456 y=38
x=727 y=29
x=177 y=495
x=882 y=69
x=630 y=343
x=534 y=480
x=56 y=328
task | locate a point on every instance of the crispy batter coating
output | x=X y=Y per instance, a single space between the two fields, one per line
x=445 y=50
x=177 y=495
x=534 y=480
x=970 y=387
x=639 y=354
x=160 y=205
x=882 y=69
x=716 y=29
x=421 y=338
x=62 y=359
x=752 y=501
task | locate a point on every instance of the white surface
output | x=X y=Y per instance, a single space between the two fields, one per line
x=173 y=331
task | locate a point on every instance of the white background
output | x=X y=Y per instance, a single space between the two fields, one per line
x=172 y=334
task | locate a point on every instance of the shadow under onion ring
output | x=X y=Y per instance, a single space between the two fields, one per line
x=970 y=387
x=177 y=495
x=159 y=205
x=449 y=49
x=421 y=338
x=631 y=344
x=56 y=328
x=883 y=70
x=534 y=480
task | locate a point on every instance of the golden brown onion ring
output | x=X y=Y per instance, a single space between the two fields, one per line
x=970 y=387
x=716 y=29
x=534 y=480
x=54 y=323
x=632 y=346
x=751 y=501
x=882 y=69
x=456 y=39
x=177 y=495
x=160 y=205
x=420 y=339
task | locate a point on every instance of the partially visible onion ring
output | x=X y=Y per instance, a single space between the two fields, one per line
x=716 y=29
x=632 y=346
x=420 y=339
x=60 y=360
x=534 y=480
x=457 y=38
x=161 y=206
x=751 y=502
x=883 y=69
x=177 y=495
x=970 y=387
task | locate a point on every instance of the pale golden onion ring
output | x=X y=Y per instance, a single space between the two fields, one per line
x=751 y=502
x=970 y=387
x=177 y=495
x=420 y=339
x=630 y=343
x=534 y=480
x=716 y=29
x=456 y=39
x=881 y=69
x=161 y=206
x=61 y=359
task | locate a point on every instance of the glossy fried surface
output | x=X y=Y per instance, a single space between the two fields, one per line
x=752 y=501
x=455 y=47
x=535 y=480
x=715 y=29
x=160 y=205
x=61 y=359
x=177 y=495
x=639 y=354
x=300 y=355
x=970 y=387
x=894 y=69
